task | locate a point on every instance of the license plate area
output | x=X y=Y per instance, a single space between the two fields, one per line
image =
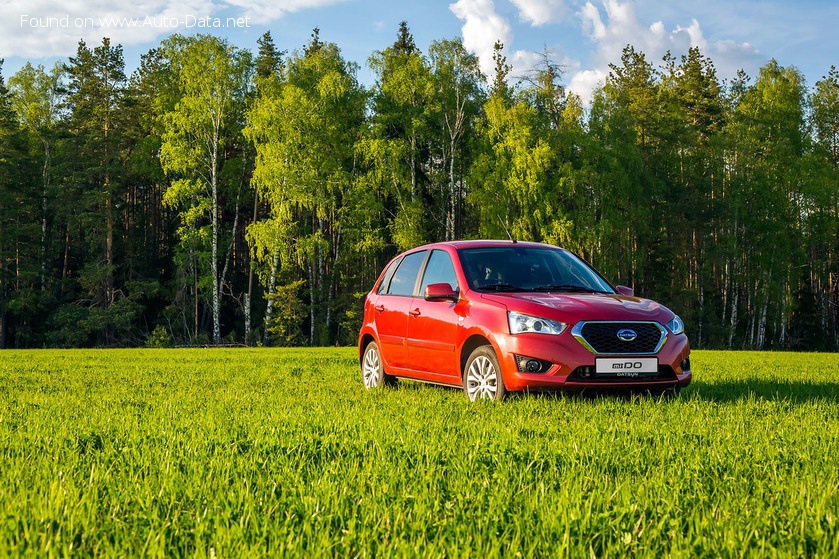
x=626 y=367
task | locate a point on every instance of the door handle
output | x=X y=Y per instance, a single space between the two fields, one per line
x=379 y=308
x=415 y=312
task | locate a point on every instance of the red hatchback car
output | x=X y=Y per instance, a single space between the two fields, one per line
x=501 y=316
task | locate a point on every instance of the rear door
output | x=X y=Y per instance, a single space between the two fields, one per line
x=391 y=309
x=432 y=325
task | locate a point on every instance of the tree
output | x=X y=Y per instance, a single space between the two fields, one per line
x=499 y=86
x=95 y=99
x=212 y=78
x=305 y=129
x=397 y=145
x=36 y=98
x=18 y=213
x=825 y=103
x=458 y=85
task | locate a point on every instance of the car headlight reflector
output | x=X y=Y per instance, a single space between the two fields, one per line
x=524 y=323
x=676 y=325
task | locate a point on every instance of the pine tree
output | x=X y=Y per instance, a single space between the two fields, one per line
x=404 y=41
x=269 y=59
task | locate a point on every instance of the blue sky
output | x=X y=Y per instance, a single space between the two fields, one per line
x=584 y=35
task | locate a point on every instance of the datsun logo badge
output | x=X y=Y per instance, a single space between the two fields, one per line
x=627 y=335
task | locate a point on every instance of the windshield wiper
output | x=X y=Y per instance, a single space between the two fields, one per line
x=503 y=287
x=568 y=288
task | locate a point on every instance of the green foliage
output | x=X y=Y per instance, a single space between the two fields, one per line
x=159 y=338
x=288 y=314
x=718 y=199
x=304 y=127
x=283 y=453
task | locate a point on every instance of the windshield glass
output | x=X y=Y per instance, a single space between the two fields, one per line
x=513 y=268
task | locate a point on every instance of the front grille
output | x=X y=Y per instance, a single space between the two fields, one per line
x=602 y=337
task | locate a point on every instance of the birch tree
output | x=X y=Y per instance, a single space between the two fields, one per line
x=305 y=129
x=213 y=77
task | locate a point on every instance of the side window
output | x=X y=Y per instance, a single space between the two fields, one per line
x=388 y=274
x=439 y=270
x=406 y=275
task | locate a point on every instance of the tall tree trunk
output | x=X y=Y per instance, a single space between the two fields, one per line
x=275 y=266
x=272 y=285
x=311 y=303
x=65 y=268
x=413 y=168
x=321 y=270
x=249 y=295
x=732 y=325
x=701 y=312
x=450 y=222
x=46 y=180
x=330 y=293
x=214 y=256
x=195 y=293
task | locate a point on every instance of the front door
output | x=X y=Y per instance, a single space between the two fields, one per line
x=432 y=325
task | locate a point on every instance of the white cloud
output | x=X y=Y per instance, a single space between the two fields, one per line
x=540 y=12
x=584 y=82
x=263 y=11
x=695 y=34
x=482 y=27
x=592 y=24
x=621 y=26
x=35 y=28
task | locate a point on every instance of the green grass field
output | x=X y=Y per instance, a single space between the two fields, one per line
x=238 y=452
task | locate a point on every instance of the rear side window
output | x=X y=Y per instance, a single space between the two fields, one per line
x=388 y=274
x=406 y=275
x=439 y=270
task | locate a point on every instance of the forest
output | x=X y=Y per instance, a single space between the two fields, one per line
x=218 y=196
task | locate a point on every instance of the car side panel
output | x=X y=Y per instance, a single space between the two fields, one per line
x=432 y=337
x=390 y=320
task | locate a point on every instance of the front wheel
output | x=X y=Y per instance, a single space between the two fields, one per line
x=372 y=371
x=482 y=376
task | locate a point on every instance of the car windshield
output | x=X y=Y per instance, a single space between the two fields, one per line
x=518 y=268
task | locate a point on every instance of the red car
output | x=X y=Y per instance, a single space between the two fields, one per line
x=500 y=316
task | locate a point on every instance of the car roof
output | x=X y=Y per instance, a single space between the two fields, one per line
x=483 y=243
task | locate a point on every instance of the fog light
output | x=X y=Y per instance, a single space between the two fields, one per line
x=685 y=364
x=531 y=365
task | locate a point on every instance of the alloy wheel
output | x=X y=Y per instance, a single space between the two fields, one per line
x=371 y=368
x=481 y=379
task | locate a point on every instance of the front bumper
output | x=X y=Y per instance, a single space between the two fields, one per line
x=570 y=360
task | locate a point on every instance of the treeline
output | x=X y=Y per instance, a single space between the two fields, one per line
x=221 y=196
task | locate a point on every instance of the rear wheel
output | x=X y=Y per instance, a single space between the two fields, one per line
x=482 y=376
x=372 y=370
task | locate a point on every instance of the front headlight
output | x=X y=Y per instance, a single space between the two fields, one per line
x=521 y=323
x=676 y=325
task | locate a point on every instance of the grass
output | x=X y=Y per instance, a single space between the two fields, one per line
x=219 y=453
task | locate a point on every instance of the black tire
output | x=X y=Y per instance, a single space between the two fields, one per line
x=373 y=373
x=482 y=375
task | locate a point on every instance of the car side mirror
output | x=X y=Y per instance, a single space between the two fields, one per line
x=440 y=292
x=625 y=291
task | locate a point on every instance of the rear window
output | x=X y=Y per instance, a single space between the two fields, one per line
x=388 y=274
x=405 y=278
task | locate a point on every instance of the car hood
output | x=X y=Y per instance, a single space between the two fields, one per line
x=573 y=307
